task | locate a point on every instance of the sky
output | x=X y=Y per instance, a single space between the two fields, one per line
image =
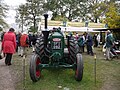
x=11 y=13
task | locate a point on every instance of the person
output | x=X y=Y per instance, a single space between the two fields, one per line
x=109 y=43
x=81 y=43
x=95 y=40
x=89 y=42
x=18 y=43
x=30 y=37
x=9 y=45
x=76 y=36
x=33 y=40
x=83 y=36
x=2 y=35
x=24 y=42
x=98 y=39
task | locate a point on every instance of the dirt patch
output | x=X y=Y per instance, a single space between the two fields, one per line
x=6 y=80
x=111 y=85
x=112 y=80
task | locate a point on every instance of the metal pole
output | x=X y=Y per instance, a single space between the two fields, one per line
x=23 y=72
x=95 y=68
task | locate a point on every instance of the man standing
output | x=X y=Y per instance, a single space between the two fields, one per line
x=89 y=42
x=109 y=44
x=81 y=41
x=18 y=43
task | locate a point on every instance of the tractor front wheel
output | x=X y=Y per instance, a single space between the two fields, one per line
x=79 y=67
x=35 y=72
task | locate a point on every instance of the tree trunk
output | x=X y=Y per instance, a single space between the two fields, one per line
x=70 y=17
x=95 y=20
x=34 y=21
x=22 y=23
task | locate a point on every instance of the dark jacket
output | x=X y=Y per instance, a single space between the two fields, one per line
x=109 y=41
x=80 y=41
x=89 y=40
x=33 y=39
x=18 y=39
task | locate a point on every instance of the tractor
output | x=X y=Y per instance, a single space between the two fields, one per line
x=53 y=50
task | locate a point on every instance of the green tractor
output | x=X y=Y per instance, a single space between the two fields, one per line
x=52 y=52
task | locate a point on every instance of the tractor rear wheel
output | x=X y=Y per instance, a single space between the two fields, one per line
x=39 y=49
x=79 y=67
x=72 y=52
x=35 y=72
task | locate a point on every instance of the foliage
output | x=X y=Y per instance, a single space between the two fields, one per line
x=3 y=12
x=32 y=29
x=66 y=8
x=31 y=12
x=93 y=10
x=60 y=18
x=113 y=17
x=97 y=9
x=20 y=15
x=74 y=9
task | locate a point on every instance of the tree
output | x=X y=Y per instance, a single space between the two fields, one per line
x=56 y=6
x=113 y=16
x=20 y=16
x=31 y=29
x=97 y=9
x=3 y=11
x=32 y=12
x=74 y=9
x=65 y=8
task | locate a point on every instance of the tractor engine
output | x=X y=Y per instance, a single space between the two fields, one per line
x=57 y=46
x=54 y=45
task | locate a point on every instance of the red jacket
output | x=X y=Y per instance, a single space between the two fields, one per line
x=9 y=42
x=23 y=40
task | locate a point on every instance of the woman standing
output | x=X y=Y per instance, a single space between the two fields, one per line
x=9 y=45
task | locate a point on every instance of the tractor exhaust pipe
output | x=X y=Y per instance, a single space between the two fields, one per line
x=45 y=33
x=46 y=16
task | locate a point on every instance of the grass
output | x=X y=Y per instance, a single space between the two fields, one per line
x=107 y=72
x=75 y=24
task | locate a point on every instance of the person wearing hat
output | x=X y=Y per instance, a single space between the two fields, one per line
x=9 y=45
x=109 y=44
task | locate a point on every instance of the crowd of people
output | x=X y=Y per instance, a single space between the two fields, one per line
x=12 y=42
x=89 y=41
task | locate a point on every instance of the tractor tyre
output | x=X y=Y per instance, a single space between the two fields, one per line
x=79 y=67
x=35 y=72
x=72 y=52
x=39 y=49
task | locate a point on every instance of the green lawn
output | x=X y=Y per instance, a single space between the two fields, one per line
x=108 y=73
